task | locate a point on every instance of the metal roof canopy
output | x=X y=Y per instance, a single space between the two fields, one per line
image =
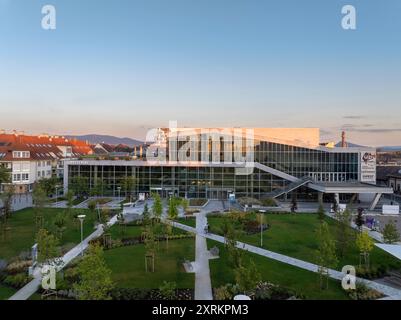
x=343 y=187
x=393 y=249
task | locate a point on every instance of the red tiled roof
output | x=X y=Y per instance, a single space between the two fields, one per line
x=40 y=147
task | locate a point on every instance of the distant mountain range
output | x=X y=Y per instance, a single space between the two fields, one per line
x=389 y=148
x=98 y=138
x=350 y=145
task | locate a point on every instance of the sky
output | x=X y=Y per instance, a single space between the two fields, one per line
x=121 y=67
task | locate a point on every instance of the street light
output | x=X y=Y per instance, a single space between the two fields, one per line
x=57 y=192
x=119 y=192
x=261 y=213
x=81 y=218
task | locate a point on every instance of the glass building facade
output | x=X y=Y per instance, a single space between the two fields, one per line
x=214 y=181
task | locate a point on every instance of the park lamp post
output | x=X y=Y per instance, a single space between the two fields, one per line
x=81 y=218
x=57 y=187
x=261 y=215
x=119 y=192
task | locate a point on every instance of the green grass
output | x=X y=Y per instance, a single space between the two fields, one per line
x=6 y=292
x=191 y=222
x=295 y=236
x=301 y=281
x=129 y=231
x=128 y=265
x=23 y=230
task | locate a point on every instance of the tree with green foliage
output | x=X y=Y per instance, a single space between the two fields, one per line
x=48 y=185
x=95 y=281
x=231 y=237
x=168 y=290
x=172 y=209
x=128 y=185
x=390 y=233
x=247 y=277
x=40 y=200
x=97 y=188
x=80 y=186
x=70 y=199
x=92 y=206
x=47 y=246
x=60 y=222
x=344 y=233
x=157 y=208
x=326 y=253
x=320 y=212
x=184 y=204
x=365 y=245
x=5 y=175
x=7 y=199
x=359 y=220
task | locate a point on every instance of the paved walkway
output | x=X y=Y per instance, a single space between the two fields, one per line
x=33 y=286
x=203 y=284
x=390 y=292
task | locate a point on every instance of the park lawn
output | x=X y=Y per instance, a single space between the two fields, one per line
x=128 y=265
x=130 y=231
x=301 y=281
x=191 y=222
x=6 y=292
x=295 y=236
x=23 y=230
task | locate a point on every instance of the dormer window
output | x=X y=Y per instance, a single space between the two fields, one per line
x=21 y=154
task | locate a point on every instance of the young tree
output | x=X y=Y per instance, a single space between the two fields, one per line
x=60 y=222
x=359 y=221
x=172 y=209
x=47 y=246
x=5 y=175
x=7 y=199
x=157 y=208
x=294 y=205
x=326 y=253
x=95 y=281
x=128 y=185
x=320 y=212
x=70 y=199
x=40 y=200
x=247 y=277
x=344 y=232
x=184 y=204
x=334 y=206
x=48 y=185
x=168 y=290
x=97 y=189
x=390 y=233
x=365 y=244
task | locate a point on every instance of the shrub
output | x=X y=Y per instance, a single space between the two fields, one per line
x=249 y=201
x=362 y=292
x=167 y=290
x=17 y=281
x=269 y=202
x=18 y=267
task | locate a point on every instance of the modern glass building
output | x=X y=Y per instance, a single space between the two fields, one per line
x=213 y=163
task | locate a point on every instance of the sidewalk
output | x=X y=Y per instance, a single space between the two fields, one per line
x=203 y=285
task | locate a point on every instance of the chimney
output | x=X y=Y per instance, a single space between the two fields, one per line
x=343 y=142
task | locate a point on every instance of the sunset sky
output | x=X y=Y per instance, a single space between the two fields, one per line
x=120 y=67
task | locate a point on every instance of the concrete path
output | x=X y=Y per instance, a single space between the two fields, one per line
x=203 y=284
x=390 y=292
x=33 y=286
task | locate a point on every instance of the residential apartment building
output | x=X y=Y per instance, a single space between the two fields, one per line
x=30 y=158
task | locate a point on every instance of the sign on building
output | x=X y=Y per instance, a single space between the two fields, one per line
x=368 y=167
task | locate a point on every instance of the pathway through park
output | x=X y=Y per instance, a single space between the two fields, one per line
x=203 y=285
x=390 y=292
x=33 y=286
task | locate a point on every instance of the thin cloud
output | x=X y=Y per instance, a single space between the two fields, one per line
x=353 y=117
